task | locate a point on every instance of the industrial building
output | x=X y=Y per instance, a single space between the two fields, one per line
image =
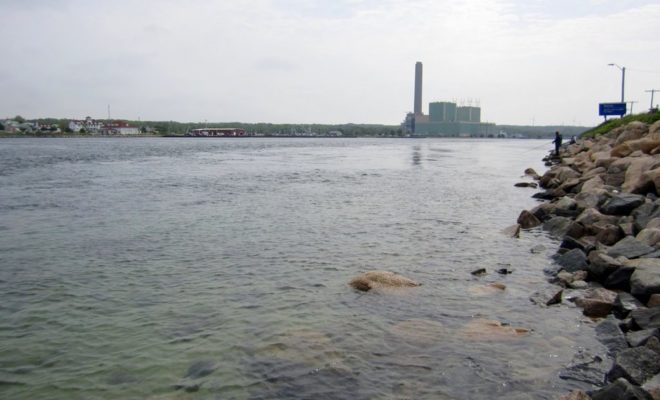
x=444 y=118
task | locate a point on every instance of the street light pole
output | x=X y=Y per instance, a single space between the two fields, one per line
x=623 y=79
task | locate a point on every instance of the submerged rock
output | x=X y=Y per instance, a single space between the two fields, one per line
x=490 y=330
x=381 y=279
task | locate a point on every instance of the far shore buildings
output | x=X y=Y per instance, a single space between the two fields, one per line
x=97 y=127
x=444 y=118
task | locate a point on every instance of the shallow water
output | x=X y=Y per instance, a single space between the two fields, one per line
x=218 y=268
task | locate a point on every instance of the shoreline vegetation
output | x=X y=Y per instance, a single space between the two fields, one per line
x=179 y=129
x=600 y=198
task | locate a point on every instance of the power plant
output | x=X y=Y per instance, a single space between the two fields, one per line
x=444 y=118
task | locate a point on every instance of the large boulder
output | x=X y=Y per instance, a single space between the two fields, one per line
x=636 y=365
x=622 y=204
x=381 y=280
x=645 y=281
x=636 y=179
x=629 y=247
x=591 y=216
x=632 y=131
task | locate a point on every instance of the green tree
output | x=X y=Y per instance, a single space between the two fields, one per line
x=19 y=119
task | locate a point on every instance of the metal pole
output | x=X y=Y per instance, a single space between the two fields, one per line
x=623 y=82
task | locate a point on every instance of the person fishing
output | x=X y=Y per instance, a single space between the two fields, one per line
x=557 y=143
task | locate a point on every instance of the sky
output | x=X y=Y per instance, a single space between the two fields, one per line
x=525 y=62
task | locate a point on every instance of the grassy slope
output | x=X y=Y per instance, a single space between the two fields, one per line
x=607 y=126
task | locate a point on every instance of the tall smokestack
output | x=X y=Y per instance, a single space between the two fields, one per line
x=418 y=88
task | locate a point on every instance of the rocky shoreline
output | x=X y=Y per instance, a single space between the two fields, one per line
x=601 y=200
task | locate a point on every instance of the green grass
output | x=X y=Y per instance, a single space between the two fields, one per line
x=608 y=125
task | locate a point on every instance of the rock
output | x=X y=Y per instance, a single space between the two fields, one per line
x=504 y=271
x=513 y=231
x=562 y=226
x=653 y=387
x=596 y=302
x=539 y=248
x=621 y=389
x=653 y=223
x=591 y=216
x=632 y=131
x=490 y=330
x=572 y=261
x=654 y=301
x=622 y=204
x=636 y=180
x=644 y=214
x=570 y=243
x=619 y=279
x=575 y=395
x=647 y=318
x=640 y=338
x=609 y=334
x=565 y=278
x=636 y=365
x=200 y=369
x=527 y=220
x=645 y=280
x=565 y=203
x=570 y=185
x=607 y=234
x=649 y=236
x=532 y=173
x=480 y=271
x=592 y=371
x=547 y=296
x=532 y=185
x=625 y=303
x=601 y=265
x=590 y=198
x=653 y=177
x=380 y=279
x=653 y=344
x=578 y=284
x=629 y=247
x=594 y=183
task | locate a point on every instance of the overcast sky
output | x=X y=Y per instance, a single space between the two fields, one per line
x=335 y=61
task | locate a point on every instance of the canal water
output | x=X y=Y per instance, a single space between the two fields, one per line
x=218 y=268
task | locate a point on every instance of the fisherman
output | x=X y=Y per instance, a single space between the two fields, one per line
x=557 y=143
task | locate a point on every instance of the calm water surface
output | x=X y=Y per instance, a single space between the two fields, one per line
x=218 y=268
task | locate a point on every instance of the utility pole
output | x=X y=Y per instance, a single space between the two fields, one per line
x=652 y=91
x=632 y=102
x=623 y=79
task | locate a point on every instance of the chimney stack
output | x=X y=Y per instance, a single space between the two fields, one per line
x=418 y=88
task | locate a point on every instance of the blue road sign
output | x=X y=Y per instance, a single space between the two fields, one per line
x=606 y=109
